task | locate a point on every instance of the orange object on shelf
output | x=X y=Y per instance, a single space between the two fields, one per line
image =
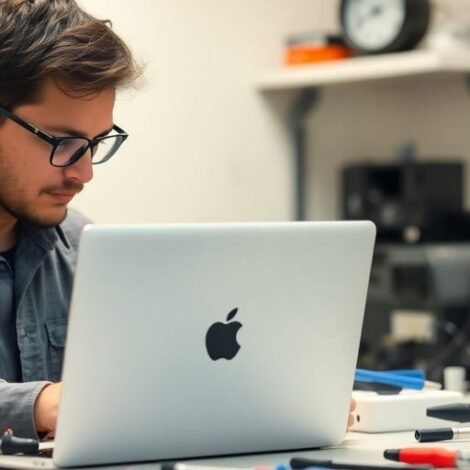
x=298 y=55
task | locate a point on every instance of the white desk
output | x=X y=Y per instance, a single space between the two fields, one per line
x=357 y=448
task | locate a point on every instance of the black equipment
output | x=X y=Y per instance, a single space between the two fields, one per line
x=410 y=202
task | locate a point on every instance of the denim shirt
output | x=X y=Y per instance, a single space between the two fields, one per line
x=44 y=267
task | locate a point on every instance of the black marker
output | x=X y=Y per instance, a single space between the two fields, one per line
x=441 y=434
x=299 y=463
x=459 y=412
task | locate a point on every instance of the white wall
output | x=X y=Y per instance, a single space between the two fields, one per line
x=204 y=143
x=206 y=146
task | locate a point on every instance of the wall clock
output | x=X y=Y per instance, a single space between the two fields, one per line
x=379 y=26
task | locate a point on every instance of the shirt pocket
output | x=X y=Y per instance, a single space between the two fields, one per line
x=56 y=333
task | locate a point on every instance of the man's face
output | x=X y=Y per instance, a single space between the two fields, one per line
x=30 y=187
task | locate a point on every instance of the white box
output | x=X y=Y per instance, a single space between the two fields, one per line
x=405 y=411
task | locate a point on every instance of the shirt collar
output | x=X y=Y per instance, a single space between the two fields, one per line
x=47 y=238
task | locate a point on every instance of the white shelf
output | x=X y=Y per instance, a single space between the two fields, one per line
x=401 y=64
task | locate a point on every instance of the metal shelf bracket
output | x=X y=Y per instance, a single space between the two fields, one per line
x=302 y=105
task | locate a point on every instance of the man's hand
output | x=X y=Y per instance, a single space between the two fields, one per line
x=352 y=407
x=46 y=409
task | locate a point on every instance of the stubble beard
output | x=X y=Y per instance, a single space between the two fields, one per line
x=11 y=202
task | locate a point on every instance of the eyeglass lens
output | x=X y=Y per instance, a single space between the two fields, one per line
x=71 y=149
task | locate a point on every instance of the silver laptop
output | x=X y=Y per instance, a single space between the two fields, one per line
x=213 y=339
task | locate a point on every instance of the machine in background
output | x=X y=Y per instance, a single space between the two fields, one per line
x=418 y=305
x=408 y=202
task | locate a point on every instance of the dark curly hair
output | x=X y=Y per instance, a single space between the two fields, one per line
x=41 y=39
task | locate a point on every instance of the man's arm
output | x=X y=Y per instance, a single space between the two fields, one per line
x=17 y=403
x=46 y=408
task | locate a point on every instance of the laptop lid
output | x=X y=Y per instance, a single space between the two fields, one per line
x=197 y=340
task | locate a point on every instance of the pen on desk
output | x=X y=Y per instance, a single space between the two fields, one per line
x=442 y=434
x=416 y=373
x=459 y=412
x=435 y=456
x=397 y=379
x=298 y=463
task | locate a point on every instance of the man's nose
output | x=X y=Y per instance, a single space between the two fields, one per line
x=81 y=170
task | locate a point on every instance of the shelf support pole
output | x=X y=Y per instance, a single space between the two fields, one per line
x=467 y=81
x=300 y=108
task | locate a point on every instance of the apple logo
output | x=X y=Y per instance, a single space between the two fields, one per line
x=221 y=338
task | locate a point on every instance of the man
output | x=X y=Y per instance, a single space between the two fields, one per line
x=59 y=72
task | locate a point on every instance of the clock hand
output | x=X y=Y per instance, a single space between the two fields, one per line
x=376 y=10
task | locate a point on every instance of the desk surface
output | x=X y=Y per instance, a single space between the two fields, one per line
x=357 y=448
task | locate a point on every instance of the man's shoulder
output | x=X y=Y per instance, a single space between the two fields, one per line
x=73 y=225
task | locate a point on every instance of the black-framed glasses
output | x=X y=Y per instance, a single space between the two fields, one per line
x=68 y=150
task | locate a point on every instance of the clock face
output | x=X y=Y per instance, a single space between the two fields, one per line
x=374 y=24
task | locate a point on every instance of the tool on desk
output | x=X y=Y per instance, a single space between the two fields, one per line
x=405 y=379
x=415 y=373
x=459 y=412
x=11 y=445
x=442 y=434
x=412 y=373
x=298 y=463
x=435 y=456
x=377 y=387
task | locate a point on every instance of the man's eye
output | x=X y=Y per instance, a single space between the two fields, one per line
x=71 y=145
x=66 y=143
